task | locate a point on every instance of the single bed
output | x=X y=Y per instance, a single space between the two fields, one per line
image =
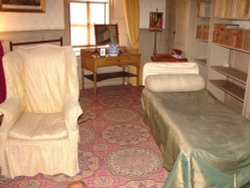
x=204 y=143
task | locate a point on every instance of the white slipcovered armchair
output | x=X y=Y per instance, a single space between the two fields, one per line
x=39 y=132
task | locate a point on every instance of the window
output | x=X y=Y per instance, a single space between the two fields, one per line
x=83 y=15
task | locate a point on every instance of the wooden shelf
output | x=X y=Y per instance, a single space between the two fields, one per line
x=202 y=40
x=232 y=73
x=202 y=32
x=232 y=48
x=105 y=76
x=202 y=62
x=204 y=17
x=233 y=18
x=230 y=88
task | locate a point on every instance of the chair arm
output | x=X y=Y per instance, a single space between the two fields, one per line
x=11 y=108
x=72 y=110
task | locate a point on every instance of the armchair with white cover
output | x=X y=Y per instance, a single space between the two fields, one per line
x=39 y=132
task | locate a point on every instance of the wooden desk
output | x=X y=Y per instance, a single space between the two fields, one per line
x=92 y=61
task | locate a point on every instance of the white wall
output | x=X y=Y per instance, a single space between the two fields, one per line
x=28 y=26
x=147 y=6
x=51 y=24
x=147 y=37
x=52 y=19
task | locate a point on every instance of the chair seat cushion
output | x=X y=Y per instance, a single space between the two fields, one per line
x=38 y=126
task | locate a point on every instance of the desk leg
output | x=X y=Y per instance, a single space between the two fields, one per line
x=82 y=78
x=123 y=78
x=138 y=75
x=94 y=83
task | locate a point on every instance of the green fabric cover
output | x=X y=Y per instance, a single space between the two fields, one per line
x=204 y=143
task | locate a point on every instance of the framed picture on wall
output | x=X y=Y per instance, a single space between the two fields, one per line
x=22 y=5
x=155 y=21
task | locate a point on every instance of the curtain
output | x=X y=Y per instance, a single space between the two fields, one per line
x=2 y=78
x=132 y=17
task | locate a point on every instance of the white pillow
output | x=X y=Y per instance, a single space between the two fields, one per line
x=175 y=82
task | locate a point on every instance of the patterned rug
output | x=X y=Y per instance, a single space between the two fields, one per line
x=116 y=149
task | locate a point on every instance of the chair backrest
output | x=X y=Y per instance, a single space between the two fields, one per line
x=13 y=44
x=48 y=75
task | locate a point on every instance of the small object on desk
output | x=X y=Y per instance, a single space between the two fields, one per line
x=102 y=52
x=113 y=49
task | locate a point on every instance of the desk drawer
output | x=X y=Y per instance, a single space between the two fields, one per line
x=134 y=60
x=113 y=61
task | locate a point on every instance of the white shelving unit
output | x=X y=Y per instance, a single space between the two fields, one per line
x=198 y=43
x=224 y=67
x=228 y=67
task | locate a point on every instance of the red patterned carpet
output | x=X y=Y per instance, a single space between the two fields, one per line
x=116 y=149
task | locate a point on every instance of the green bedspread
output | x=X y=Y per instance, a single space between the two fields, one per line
x=204 y=143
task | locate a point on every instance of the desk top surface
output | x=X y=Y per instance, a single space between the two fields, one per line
x=94 y=52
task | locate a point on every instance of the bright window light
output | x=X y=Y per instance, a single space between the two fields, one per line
x=83 y=15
